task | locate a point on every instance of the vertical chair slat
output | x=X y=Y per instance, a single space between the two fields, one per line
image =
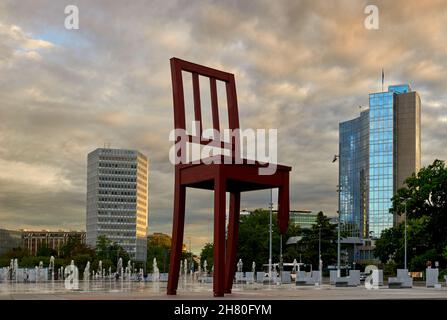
x=214 y=104
x=197 y=106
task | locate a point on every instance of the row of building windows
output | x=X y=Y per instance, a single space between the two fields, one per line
x=102 y=205
x=382 y=136
x=374 y=183
x=380 y=170
x=116 y=219
x=381 y=147
x=111 y=234
x=116 y=179
x=117 y=158
x=382 y=123
x=123 y=226
x=117 y=172
x=380 y=98
x=118 y=164
x=115 y=199
x=115 y=213
x=117 y=193
x=118 y=185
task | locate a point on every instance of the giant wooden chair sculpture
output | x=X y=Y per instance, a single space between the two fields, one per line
x=234 y=178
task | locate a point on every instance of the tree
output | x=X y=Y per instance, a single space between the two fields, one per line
x=74 y=247
x=158 y=247
x=102 y=247
x=424 y=197
x=16 y=253
x=389 y=244
x=46 y=251
x=109 y=252
x=425 y=194
x=311 y=241
x=207 y=254
x=253 y=241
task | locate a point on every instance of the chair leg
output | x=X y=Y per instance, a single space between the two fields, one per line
x=283 y=205
x=219 y=237
x=177 y=237
x=233 y=229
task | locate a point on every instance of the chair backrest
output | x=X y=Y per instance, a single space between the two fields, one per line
x=177 y=66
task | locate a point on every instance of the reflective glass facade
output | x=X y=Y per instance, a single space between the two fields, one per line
x=303 y=220
x=381 y=161
x=353 y=151
x=400 y=88
x=377 y=151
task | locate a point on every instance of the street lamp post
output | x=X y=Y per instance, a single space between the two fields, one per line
x=405 y=253
x=319 y=243
x=319 y=255
x=190 y=261
x=270 y=235
x=338 y=248
x=280 y=254
x=338 y=211
x=405 y=232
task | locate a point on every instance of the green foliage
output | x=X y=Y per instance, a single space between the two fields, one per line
x=311 y=238
x=427 y=196
x=15 y=253
x=419 y=262
x=74 y=247
x=45 y=251
x=156 y=248
x=103 y=248
x=442 y=274
x=389 y=268
x=390 y=244
x=109 y=252
x=4 y=262
x=207 y=254
x=253 y=242
x=32 y=261
x=424 y=198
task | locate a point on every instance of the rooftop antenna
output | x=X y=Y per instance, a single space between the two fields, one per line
x=383 y=78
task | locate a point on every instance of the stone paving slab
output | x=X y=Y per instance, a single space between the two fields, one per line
x=138 y=291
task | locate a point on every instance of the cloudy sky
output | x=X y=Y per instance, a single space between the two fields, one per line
x=300 y=66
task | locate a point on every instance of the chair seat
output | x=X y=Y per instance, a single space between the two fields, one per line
x=240 y=177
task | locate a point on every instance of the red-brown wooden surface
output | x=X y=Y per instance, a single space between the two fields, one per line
x=221 y=178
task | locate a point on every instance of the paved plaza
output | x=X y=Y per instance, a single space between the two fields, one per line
x=117 y=290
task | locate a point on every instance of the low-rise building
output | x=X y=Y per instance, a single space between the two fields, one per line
x=33 y=240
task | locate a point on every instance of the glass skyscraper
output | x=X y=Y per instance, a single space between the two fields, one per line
x=353 y=172
x=378 y=151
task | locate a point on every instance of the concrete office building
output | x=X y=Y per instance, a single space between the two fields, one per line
x=377 y=152
x=117 y=199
